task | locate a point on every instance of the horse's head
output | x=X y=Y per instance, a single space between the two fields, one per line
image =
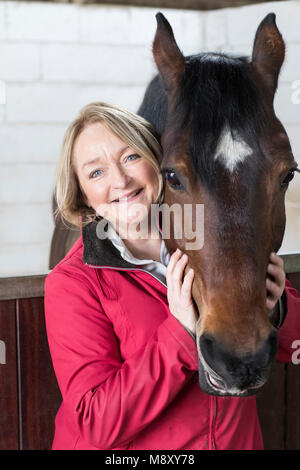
x=225 y=148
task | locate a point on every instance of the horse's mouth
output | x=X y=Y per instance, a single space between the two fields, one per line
x=211 y=383
x=215 y=384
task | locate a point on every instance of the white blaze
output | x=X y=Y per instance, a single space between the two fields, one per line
x=231 y=149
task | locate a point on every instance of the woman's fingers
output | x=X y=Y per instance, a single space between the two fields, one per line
x=275 y=259
x=180 y=290
x=175 y=273
x=277 y=273
x=186 y=290
x=275 y=282
x=173 y=260
x=274 y=290
x=179 y=268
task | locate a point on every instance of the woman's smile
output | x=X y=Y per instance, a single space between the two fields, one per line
x=129 y=197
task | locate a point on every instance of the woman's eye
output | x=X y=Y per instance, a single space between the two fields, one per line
x=173 y=180
x=93 y=173
x=288 y=178
x=133 y=157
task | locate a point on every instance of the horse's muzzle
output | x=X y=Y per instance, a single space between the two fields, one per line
x=222 y=373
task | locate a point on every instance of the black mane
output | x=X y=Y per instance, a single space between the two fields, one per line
x=216 y=90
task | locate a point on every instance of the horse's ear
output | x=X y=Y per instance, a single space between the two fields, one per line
x=268 y=52
x=169 y=59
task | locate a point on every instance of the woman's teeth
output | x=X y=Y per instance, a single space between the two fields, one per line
x=129 y=197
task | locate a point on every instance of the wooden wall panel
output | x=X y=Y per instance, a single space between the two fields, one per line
x=292 y=424
x=9 y=431
x=271 y=409
x=38 y=388
x=294 y=279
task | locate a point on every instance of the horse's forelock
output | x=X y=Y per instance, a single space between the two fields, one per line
x=217 y=92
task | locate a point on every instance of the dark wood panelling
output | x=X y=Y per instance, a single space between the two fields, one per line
x=9 y=433
x=22 y=287
x=293 y=407
x=271 y=409
x=294 y=279
x=38 y=389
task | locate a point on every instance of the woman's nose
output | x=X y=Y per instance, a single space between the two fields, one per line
x=119 y=177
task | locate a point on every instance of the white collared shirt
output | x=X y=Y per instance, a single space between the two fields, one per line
x=158 y=269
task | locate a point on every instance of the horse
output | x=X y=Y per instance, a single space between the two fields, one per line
x=224 y=148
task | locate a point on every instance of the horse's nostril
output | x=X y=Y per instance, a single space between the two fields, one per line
x=268 y=351
x=209 y=349
x=236 y=371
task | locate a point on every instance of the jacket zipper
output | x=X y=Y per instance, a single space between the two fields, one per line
x=213 y=416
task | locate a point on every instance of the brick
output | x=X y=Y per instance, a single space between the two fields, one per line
x=26 y=183
x=291 y=67
x=291 y=240
x=286 y=110
x=97 y=64
x=2 y=20
x=293 y=192
x=61 y=103
x=137 y=26
x=29 y=143
x=2 y=112
x=17 y=230
x=42 y=21
x=294 y=136
x=108 y=25
x=19 y=62
x=215 y=31
x=24 y=260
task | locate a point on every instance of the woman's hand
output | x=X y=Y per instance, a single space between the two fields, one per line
x=180 y=293
x=275 y=284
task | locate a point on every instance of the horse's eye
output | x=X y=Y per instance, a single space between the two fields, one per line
x=288 y=178
x=172 y=179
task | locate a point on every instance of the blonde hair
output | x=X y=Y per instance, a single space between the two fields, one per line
x=130 y=128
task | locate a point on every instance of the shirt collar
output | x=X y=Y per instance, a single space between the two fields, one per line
x=107 y=252
x=127 y=255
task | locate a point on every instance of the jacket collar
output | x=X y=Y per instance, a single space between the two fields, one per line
x=101 y=252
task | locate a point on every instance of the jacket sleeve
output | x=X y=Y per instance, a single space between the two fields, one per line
x=289 y=332
x=110 y=400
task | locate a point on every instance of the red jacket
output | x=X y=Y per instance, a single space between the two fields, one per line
x=127 y=369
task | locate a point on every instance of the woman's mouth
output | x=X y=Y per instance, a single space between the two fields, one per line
x=132 y=196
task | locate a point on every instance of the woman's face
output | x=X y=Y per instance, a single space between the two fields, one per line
x=118 y=183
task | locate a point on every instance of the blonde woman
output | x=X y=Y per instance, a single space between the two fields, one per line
x=119 y=313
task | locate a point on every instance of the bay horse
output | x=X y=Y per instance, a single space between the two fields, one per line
x=224 y=147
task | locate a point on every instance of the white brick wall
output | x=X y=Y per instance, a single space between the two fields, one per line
x=55 y=58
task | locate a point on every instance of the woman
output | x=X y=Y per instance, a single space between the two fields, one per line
x=122 y=344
